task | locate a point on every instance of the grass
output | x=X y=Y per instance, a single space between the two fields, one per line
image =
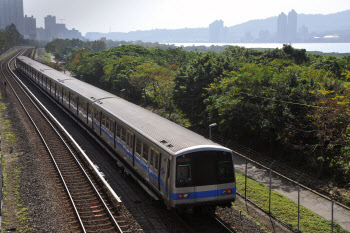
x=4 y=56
x=32 y=55
x=245 y=214
x=47 y=57
x=14 y=214
x=285 y=209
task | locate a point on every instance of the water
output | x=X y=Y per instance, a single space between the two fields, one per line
x=321 y=47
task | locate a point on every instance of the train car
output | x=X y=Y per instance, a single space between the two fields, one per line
x=181 y=167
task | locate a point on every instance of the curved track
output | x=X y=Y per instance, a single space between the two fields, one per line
x=92 y=212
x=150 y=217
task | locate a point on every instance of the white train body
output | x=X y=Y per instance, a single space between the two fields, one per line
x=181 y=167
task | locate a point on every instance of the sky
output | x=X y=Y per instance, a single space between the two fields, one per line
x=132 y=15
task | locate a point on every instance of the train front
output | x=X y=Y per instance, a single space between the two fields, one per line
x=204 y=176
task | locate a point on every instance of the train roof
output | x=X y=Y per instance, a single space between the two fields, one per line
x=85 y=89
x=167 y=134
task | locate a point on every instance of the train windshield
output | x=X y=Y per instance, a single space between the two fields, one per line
x=204 y=168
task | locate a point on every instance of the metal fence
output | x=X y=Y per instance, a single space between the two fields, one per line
x=284 y=193
x=1 y=181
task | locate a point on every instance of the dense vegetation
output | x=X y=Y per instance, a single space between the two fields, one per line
x=280 y=101
x=9 y=37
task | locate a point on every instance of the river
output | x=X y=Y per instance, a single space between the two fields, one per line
x=321 y=47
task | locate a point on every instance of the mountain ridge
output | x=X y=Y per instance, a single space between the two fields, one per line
x=315 y=24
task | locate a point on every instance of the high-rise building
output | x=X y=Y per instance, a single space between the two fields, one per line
x=287 y=27
x=217 y=32
x=50 y=26
x=58 y=30
x=41 y=34
x=292 y=26
x=282 y=32
x=11 y=12
x=29 y=27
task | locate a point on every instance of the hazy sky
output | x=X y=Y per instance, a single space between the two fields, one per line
x=131 y=15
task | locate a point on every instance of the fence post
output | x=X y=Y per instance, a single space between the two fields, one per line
x=270 y=188
x=299 y=202
x=332 y=212
x=298 y=206
x=1 y=181
x=245 y=186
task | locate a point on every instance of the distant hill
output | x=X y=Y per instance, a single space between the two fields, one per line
x=337 y=23
x=315 y=23
x=158 y=35
x=325 y=23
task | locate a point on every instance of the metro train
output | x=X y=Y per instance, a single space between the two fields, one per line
x=182 y=168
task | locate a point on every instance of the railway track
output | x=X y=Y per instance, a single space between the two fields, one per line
x=93 y=211
x=197 y=224
x=206 y=223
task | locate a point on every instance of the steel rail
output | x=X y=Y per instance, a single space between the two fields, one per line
x=43 y=140
x=110 y=215
x=223 y=225
x=20 y=83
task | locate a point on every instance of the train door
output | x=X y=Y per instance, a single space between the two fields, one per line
x=88 y=114
x=167 y=197
x=96 y=120
x=137 y=154
x=154 y=168
x=130 y=145
x=163 y=170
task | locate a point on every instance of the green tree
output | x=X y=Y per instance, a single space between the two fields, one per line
x=13 y=36
x=191 y=83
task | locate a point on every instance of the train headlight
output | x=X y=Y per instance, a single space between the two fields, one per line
x=227 y=191
x=184 y=196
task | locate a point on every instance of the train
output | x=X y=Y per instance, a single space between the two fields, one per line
x=182 y=168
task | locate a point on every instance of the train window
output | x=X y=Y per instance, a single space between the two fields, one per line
x=156 y=162
x=183 y=172
x=103 y=119
x=82 y=104
x=128 y=138
x=111 y=125
x=204 y=168
x=138 y=146
x=152 y=157
x=131 y=139
x=145 y=151
x=119 y=131
x=107 y=122
x=73 y=99
x=123 y=135
x=66 y=94
x=225 y=172
x=95 y=115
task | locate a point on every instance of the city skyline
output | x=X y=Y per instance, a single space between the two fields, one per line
x=125 y=16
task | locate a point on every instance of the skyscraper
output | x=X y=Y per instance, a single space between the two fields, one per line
x=217 y=32
x=11 y=12
x=292 y=26
x=29 y=27
x=282 y=22
x=50 y=26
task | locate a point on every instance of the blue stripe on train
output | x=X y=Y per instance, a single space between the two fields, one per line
x=173 y=196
